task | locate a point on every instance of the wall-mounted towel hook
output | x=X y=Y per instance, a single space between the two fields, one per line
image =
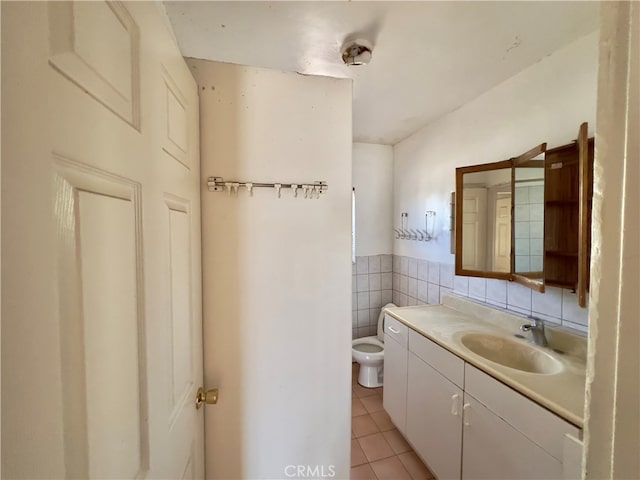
x=277 y=186
x=249 y=186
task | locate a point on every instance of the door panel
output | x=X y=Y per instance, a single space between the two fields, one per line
x=474 y=226
x=502 y=241
x=100 y=246
x=102 y=329
x=106 y=70
x=181 y=318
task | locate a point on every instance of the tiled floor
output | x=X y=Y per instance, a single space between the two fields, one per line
x=378 y=450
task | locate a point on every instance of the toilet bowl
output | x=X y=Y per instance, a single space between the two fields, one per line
x=369 y=353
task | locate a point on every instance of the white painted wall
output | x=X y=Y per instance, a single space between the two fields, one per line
x=612 y=433
x=372 y=179
x=544 y=103
x=276 y=271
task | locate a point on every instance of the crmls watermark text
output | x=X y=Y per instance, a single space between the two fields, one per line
x=310 y=471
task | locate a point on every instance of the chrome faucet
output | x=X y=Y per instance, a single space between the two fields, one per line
x=536 y=327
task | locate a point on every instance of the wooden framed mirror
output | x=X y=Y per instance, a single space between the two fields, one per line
x=528 y=219
x=527 y=254
x=483 y=220
x=499 y=221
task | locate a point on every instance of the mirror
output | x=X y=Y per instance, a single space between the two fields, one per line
x=500 y=219
x=483 y=220
x=528 y=221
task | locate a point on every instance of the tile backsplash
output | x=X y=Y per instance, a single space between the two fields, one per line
x=372 y=288
x=406 y=281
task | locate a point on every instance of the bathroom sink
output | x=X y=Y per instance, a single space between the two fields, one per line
x=511 y=353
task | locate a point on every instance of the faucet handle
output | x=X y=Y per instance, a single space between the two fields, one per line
x=535 y=321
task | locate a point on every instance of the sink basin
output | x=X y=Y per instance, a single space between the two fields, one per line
x=511 y=353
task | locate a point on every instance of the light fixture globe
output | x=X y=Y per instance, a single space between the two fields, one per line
x=357 y=53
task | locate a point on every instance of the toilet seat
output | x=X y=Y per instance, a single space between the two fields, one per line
x=368 y=346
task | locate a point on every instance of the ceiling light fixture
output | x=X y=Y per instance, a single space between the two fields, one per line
x=357 y=53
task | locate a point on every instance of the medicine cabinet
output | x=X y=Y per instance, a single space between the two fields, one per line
x=528 y=219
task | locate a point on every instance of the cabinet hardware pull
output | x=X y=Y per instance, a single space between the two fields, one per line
x=454 y=404
x=465 y=413
x=393 y=330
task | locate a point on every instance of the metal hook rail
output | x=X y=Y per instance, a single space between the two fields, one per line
x=309 y=190
x=405 y=233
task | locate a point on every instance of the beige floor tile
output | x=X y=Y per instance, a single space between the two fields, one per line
x=375 y=447
x=397 y=441
x=363 y=425
x=362 y=392
x=357 y=408
x=391 y=469
x=415 y=467
x=382 y=420
x=363 y=472
x=373 y=403
x=357 y=455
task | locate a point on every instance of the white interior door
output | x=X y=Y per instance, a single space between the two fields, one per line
x=474 y=228
x=101 y=289
x=502 y=239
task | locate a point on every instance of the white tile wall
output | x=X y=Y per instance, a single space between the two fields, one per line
x=434 y=272
x=374 y=264
x=432 y=280
x=378 y=280
x=372 y=287
x=478 y=288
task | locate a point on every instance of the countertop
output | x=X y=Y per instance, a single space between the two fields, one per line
x=562 y=393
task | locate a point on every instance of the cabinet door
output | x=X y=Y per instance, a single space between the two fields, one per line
x=494 y=450
x=395 y=382
x=434 y=418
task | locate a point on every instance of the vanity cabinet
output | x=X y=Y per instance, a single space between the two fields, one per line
x=434 y=405
x=506 y=435
x=493 y=449
x=394 y=393
x=464 y=423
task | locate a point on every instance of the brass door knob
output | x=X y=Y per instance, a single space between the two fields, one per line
x=206 y=396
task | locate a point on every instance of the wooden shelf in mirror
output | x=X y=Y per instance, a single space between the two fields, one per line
x=551 y=282
x=561 y=253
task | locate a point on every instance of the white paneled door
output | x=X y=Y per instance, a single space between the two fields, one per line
x=101 y=281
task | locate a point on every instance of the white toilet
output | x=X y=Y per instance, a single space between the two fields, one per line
x=369 y=353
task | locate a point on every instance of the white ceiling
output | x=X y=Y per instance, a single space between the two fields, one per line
x=429 y=58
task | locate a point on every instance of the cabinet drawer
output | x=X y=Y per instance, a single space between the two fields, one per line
x=442 y=360
x=396 y=330
x=535 y=422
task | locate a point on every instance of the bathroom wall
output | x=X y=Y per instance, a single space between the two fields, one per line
x=276 y=271
x=544 y=103
x=372 y=288
x=421 y=282
x=372 y=180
